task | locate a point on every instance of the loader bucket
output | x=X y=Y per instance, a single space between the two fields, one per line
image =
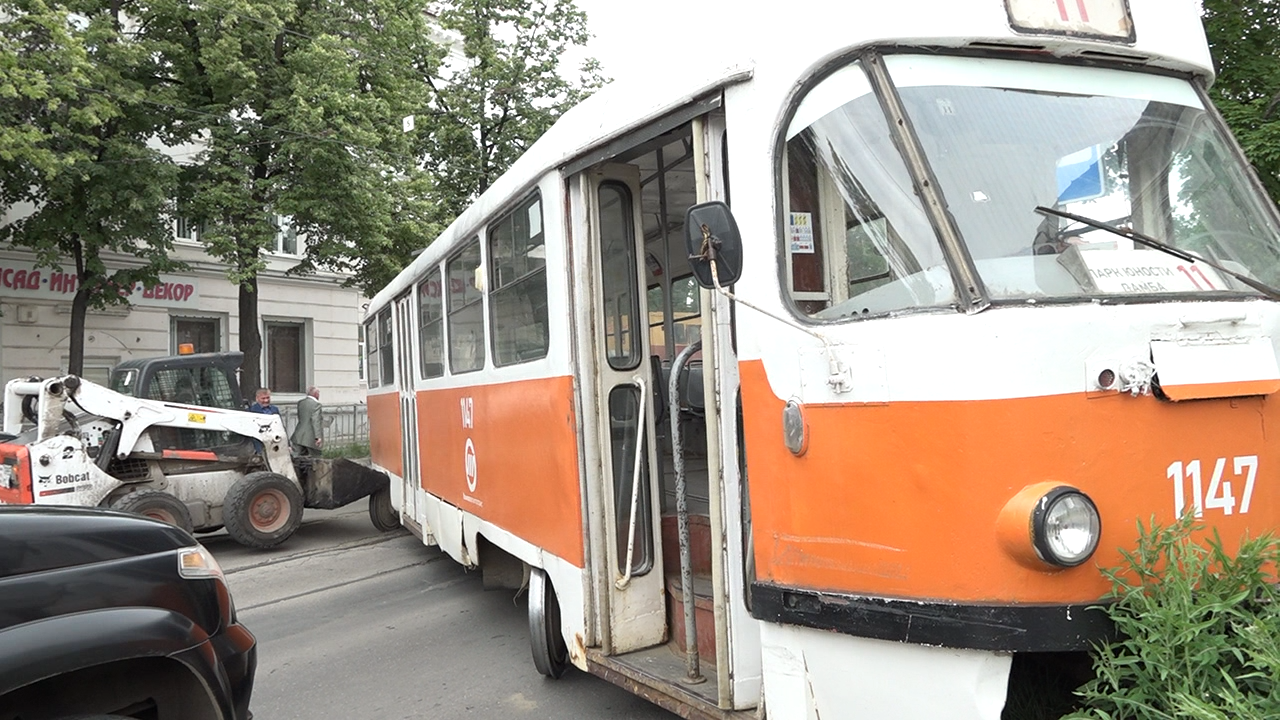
x=332 y=483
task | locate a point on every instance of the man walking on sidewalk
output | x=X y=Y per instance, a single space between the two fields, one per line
x=307 y=436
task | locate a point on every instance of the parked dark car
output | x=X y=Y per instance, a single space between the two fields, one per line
x=109 y=615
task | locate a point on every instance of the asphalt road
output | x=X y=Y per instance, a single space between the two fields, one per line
x=356 y=624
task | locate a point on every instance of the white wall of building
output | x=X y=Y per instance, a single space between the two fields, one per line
x=36 y=307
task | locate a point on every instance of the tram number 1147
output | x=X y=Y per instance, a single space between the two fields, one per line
x=1219 y=495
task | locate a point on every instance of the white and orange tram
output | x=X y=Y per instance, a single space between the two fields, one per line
x=992 y=281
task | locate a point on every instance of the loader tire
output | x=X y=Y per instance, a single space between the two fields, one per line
x=157 y=505
x=383 y=515
x=262 y=509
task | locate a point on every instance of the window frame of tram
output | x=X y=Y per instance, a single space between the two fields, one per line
x=431 y=325
x=385 y=357
x=466 y=304
x=624 y=350
x=842 y=236
x=372 y=375
x=517 y=285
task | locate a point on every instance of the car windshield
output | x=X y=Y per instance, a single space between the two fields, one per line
x=1130 y=150
x=1136 y=151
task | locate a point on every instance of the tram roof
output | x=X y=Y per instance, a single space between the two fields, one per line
x=612 y=111
x=711 y=56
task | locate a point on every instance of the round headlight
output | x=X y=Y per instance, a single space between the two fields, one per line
x=1065 y=527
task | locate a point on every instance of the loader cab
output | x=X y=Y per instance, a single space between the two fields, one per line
x=204 y=379
x=207 y=379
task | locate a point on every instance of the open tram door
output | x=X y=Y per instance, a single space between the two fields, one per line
x=411 y=483
x=642 y=321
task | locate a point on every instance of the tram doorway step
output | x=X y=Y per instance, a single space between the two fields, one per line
x=703 y=597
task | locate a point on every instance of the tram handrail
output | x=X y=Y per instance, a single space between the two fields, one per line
x=693 y=671
x=641 y=423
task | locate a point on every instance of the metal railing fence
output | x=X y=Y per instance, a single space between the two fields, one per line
x=344 y=425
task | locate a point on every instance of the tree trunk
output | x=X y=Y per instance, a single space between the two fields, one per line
x=79 y=309
x=250 y=339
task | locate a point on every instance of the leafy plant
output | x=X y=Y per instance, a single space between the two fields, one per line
x=1198 y=630
x=352 y=451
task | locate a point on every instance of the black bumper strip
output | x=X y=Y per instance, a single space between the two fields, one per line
x=1015 y=628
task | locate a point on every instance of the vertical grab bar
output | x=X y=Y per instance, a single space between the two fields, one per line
x=693 y=671
x=641 y=425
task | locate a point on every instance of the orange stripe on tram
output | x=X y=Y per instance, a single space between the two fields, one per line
x=524 y=482
x=384 y=435
x=904 y=499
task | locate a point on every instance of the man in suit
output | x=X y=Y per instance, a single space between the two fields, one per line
x=307 y=435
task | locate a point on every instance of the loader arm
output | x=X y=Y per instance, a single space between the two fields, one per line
x=51 y=400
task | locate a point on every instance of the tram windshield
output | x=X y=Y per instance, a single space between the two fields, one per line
x=1130 y=150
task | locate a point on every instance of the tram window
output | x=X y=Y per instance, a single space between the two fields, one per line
x=622 y=322
x=685 y=311
x=466 y=311
x=385 y=355
x=624 y=431
x=431 y=325
x=856 y=238
x=657 y=321
x=371 y=353
x=518 y=285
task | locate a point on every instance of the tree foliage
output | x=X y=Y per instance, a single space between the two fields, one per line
x=503 y=93
x=297 y=107
x=276 y=108
x=78 y=107
x=1244 y=37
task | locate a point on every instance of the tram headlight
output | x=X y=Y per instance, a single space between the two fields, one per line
x=1049 y=524
x=1065 y=527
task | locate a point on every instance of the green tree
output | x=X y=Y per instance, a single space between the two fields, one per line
x=505 y=91
x=1244 y=37
x=77 y=111
x=298 y=107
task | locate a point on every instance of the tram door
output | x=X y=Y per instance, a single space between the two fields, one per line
x=408 y=407
x=625 y=406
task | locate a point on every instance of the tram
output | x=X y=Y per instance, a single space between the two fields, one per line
x=821 y=377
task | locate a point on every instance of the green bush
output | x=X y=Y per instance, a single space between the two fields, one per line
x=352 y=451
x=1197 y=631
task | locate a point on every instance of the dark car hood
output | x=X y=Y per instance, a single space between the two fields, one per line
x=35 y=539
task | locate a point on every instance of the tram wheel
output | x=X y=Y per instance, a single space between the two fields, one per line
x=550 y=655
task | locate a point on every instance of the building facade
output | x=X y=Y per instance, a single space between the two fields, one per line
x=310 y=325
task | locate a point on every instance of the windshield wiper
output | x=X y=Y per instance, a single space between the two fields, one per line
x=1164 y=247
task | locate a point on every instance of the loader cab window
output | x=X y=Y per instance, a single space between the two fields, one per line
x=207 y=386
x=124 y=381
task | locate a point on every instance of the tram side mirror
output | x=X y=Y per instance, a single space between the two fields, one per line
x=710 y=231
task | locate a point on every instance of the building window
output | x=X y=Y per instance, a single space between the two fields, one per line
x=186 y=229
x=466 y=311
x=96 y=369
x=431 y=325
x=286 y=236
x=203 y=334
x=518 y=285
x=285 y=350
